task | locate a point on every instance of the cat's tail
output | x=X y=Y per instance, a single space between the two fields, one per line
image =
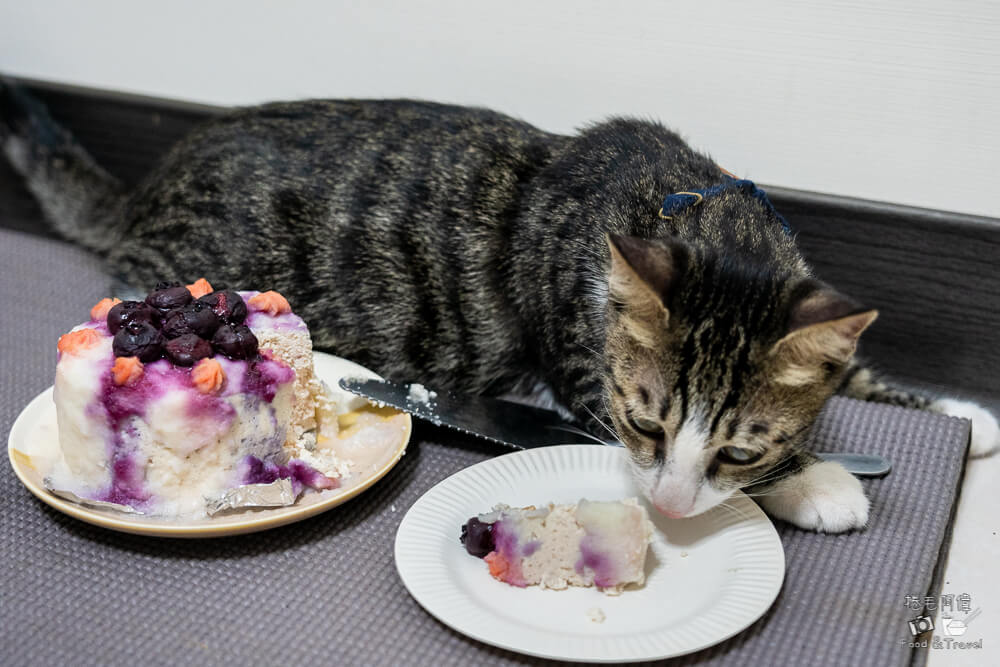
x=79 y=199
x=864 y=383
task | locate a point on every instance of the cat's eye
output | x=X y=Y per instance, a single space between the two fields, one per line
x=645 y=426
x=739 y=455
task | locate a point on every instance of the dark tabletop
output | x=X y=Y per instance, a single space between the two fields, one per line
x=325 y=590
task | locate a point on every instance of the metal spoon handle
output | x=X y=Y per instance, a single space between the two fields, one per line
x=862 y=465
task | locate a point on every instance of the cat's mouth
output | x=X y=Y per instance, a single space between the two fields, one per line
x=676 y=496
x=675 y=505
x=698 y=505
x=670 y=513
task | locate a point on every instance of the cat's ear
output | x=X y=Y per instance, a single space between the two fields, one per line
x=644 y=270
x=823 y=325
x=640 y=280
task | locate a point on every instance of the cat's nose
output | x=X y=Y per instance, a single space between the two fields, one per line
x=675 y=492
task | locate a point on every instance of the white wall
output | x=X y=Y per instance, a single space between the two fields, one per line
x=895 y=101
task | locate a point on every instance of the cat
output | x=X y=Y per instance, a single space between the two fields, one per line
x=469 y=250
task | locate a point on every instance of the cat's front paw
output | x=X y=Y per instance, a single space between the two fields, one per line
x=823 y=497
x=985 y=430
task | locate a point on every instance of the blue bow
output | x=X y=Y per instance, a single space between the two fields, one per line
x=679 y=201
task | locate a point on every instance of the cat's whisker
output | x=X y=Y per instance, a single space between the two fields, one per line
x=769 y=482
x=600 y=421
x=768 y=478
x=762 y=494
x=578 y=431
x=759 y=494
x=777 y=472
x=775 y=469
x=734 y=509
x=590 y=349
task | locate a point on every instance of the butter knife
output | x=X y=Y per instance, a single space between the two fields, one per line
x=521 y=426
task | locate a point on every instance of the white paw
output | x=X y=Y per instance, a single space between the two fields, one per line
x=823 y=497
x=985 y=430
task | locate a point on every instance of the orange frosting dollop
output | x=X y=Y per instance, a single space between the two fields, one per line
x=270 y=302
x=200 y=288
x=100 y=310
x=77 y=341
x=127 y=370
x=498 y=565
x=208 y=376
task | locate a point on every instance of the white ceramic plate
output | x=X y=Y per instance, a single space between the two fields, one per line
x=37 y=423
x=708 y=577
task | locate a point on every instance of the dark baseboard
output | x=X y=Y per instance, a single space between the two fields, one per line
x=933 y=275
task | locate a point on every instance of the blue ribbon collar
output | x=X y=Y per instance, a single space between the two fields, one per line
x=680 y=201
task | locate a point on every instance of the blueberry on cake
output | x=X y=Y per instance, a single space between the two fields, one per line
x=168 y=402
x=590 y=543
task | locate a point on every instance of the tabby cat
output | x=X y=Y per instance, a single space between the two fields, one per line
x=466 y=249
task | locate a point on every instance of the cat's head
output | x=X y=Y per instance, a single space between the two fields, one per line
x=717 y=368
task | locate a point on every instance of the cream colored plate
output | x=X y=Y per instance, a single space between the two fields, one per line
x=708 y=577
x=38 y=420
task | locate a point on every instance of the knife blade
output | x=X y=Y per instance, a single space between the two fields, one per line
x=503 y=422
x=520 y=426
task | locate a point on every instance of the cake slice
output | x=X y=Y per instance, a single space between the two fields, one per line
x=590 y=543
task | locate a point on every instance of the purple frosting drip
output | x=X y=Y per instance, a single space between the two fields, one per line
x=119 y=406
x=126 y=483
x=530 y=548
x=263 y=376
x=598 y=561
x=299 y=472
x=284 y=322
x=505 y=540
x=257 y=319
x=121 y=403
x=507 y=544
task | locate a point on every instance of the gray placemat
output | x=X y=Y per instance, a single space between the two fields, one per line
x=325 y=591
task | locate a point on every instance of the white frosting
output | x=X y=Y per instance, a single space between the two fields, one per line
x=420 y=394
x=83 y=438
